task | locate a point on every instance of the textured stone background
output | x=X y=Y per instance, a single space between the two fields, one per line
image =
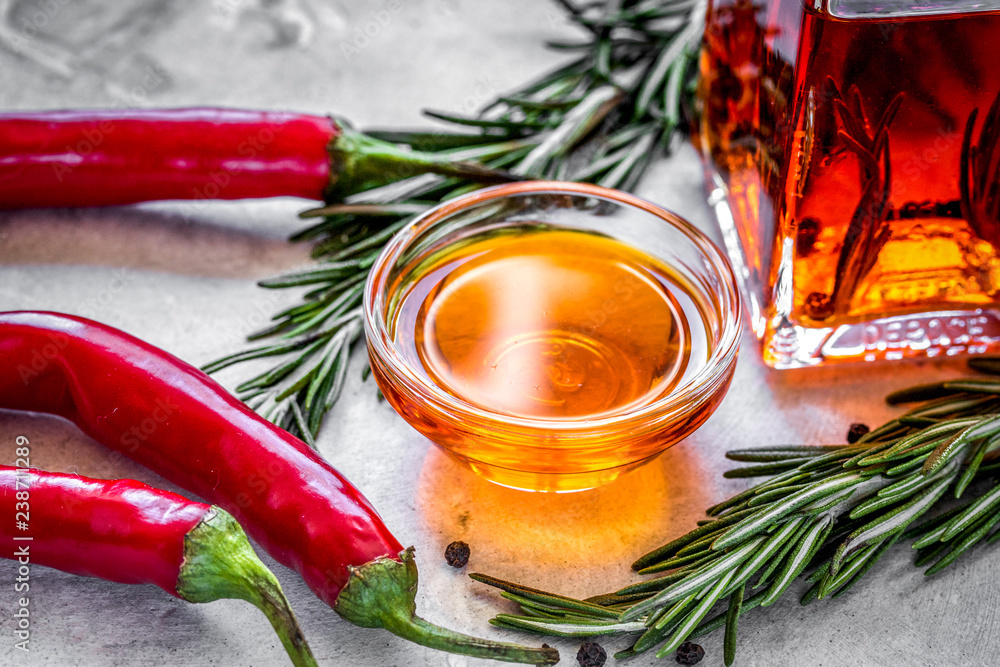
x=182 y=277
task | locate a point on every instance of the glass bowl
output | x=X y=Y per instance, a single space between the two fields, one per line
x=550 y=454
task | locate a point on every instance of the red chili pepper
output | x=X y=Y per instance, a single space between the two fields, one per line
x=174 y=419
x=129 y=532
x=111 y=157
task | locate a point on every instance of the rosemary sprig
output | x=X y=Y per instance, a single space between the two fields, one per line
x=601 y=118
x=868 y=231
x=829 y=512
x=980 y=164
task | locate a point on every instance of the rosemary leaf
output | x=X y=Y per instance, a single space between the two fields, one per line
x=819 y=518
x=973 y=466
x=984 y=505
x=804 y=552
x=759 y=522
x=725 y=565
x=775 y=454
x=732 y=619
x=598 y=118
x=694 y=617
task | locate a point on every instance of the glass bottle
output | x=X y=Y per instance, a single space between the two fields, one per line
x=852 y=154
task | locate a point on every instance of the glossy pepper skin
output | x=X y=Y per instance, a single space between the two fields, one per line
x=120 y=530
x=114 y=156
x=169 y=416
x=174 y=419
x=111 y=157
x=126 y=531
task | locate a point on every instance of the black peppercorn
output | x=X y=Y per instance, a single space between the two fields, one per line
x=591 y=654
x=689 y=653
x=855 y=432
x=457 y=554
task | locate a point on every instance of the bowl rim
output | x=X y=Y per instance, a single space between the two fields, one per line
x=709 y=378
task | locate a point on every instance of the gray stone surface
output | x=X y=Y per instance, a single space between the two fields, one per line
x=183 y=277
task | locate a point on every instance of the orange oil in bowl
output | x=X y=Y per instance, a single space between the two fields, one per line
x=551 y=336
